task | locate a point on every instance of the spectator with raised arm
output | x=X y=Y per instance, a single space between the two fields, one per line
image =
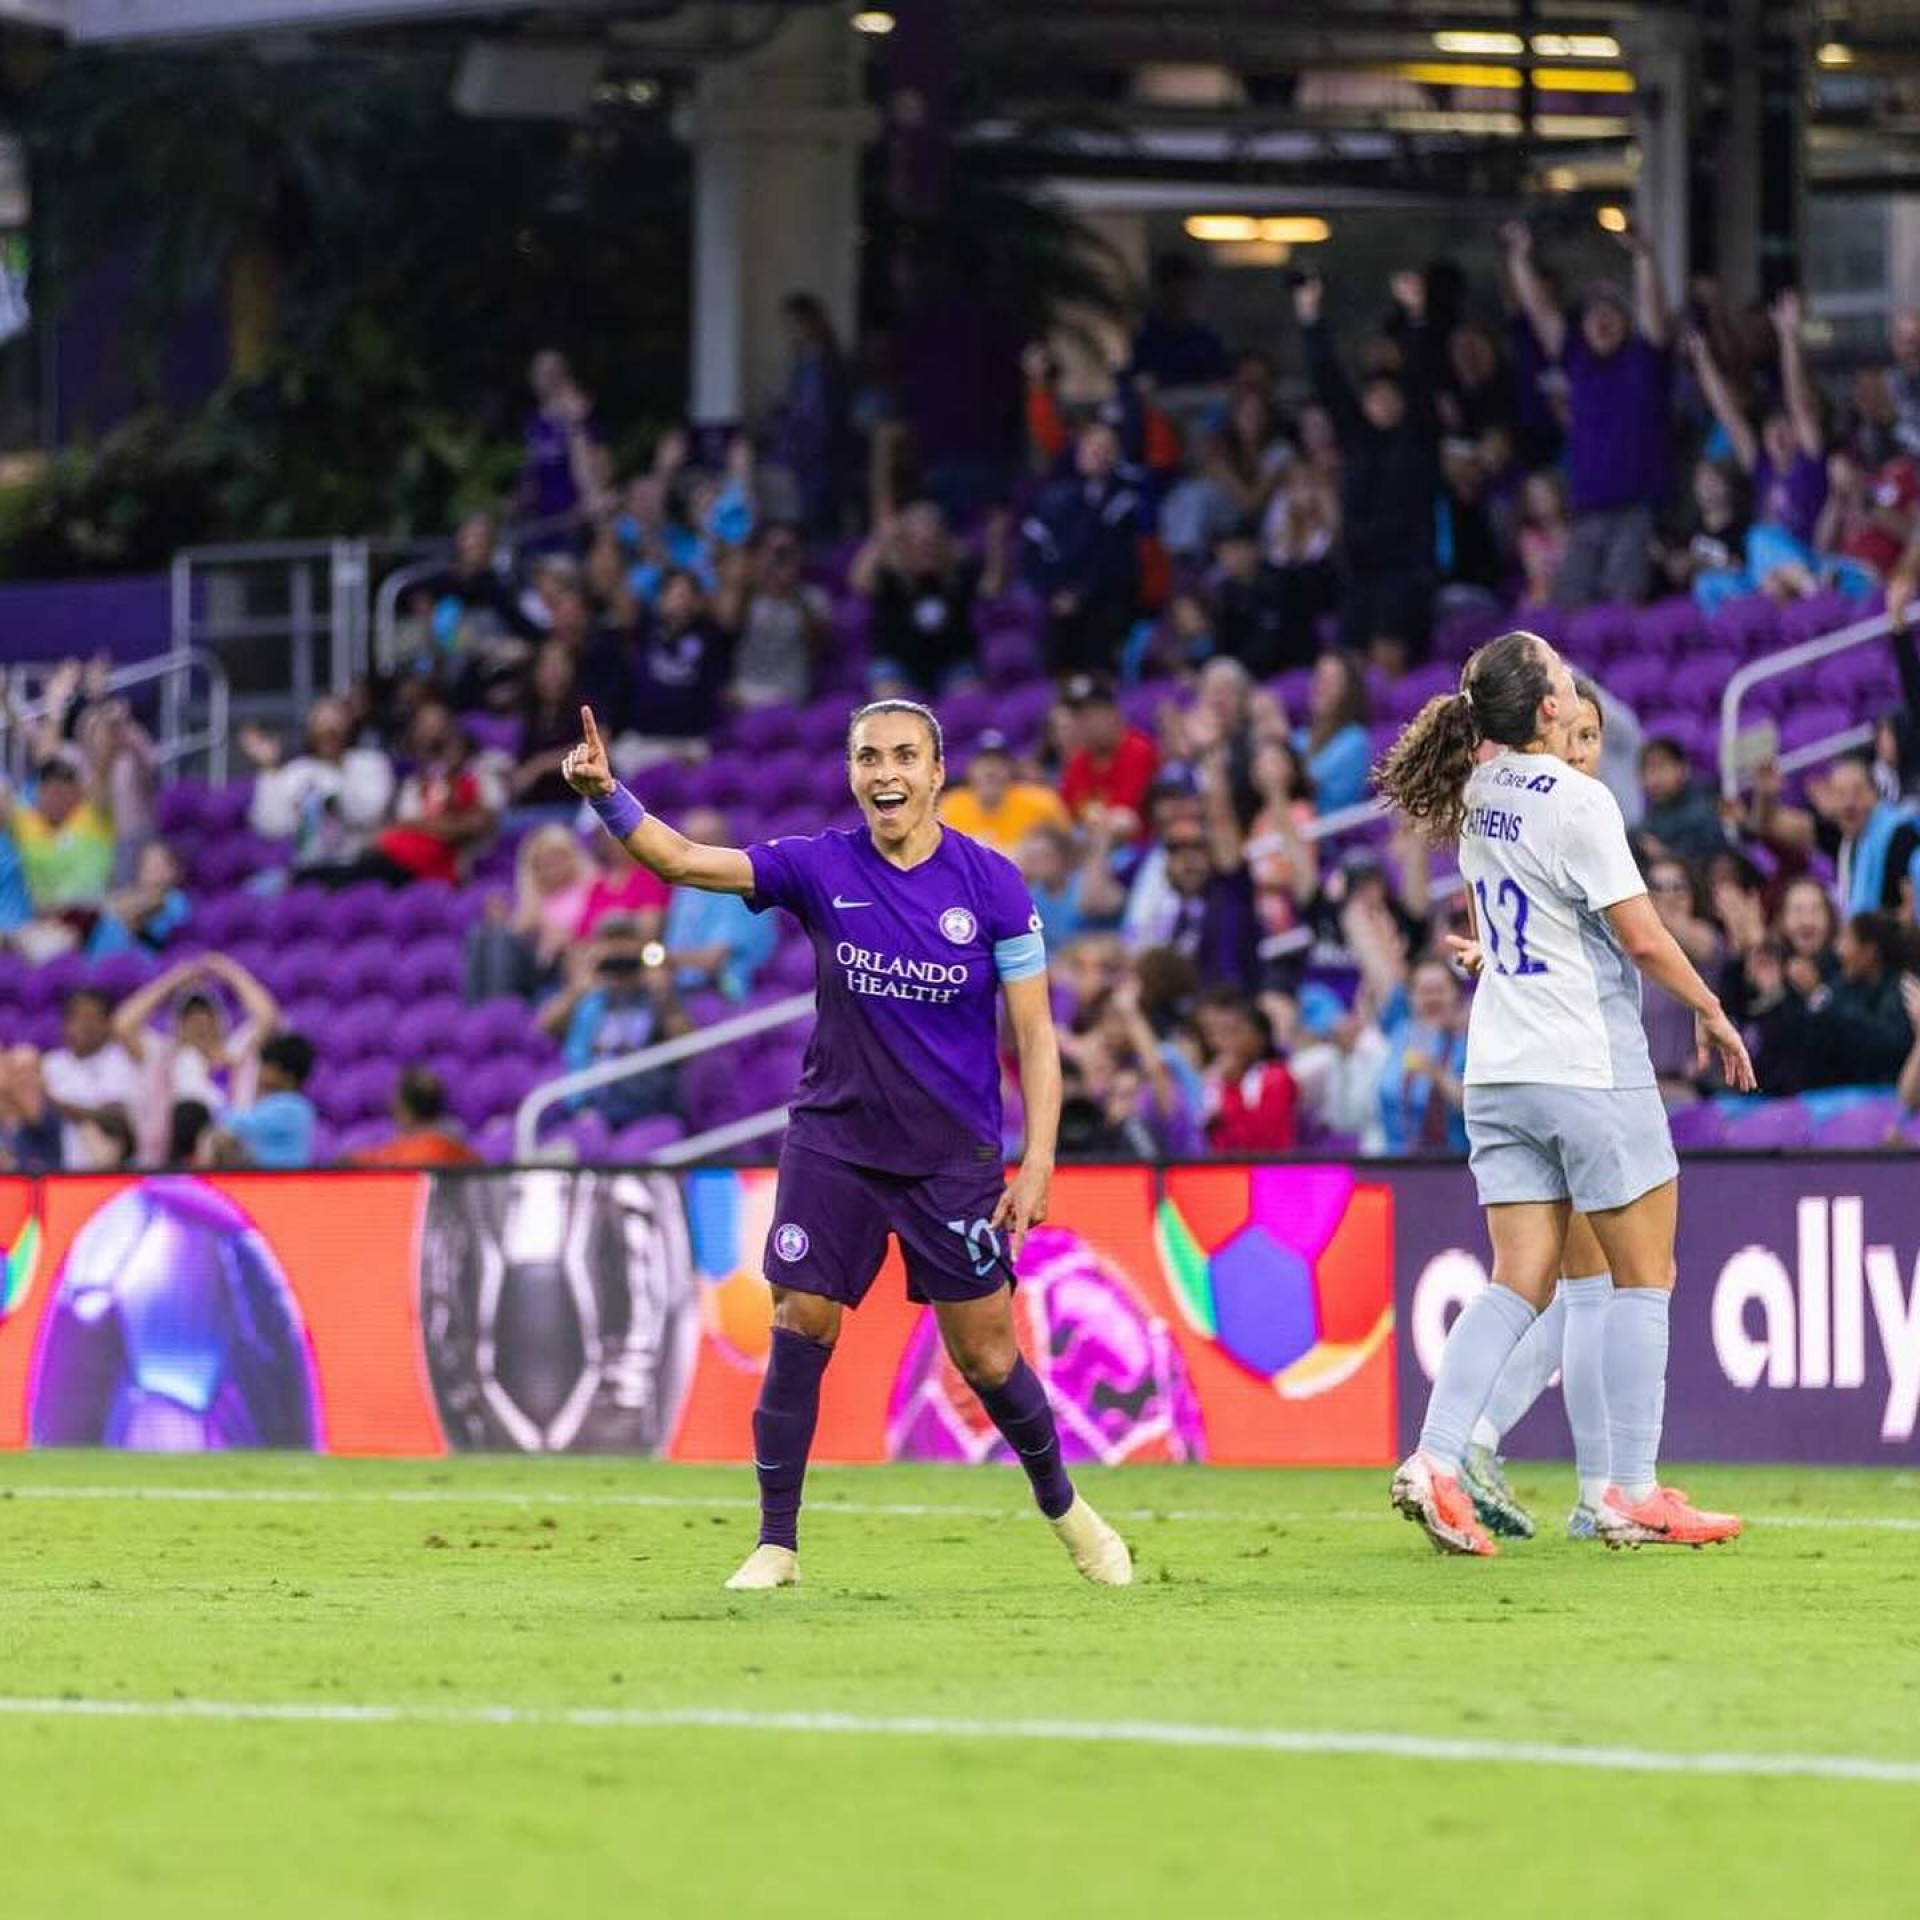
x=1785 y=462
x=1682 y=815
x=1252 y=1103
x=560 y=472
x=197 y=1056
x=1619 y=376
x=1111 y=764
x=1390 y=479
x=923 y=586
x=1874 y=842
x=781 y=623
x=1082 y=547
x=327 y=802
x=1334 y=743
x=91 y=1079
x=811 y=438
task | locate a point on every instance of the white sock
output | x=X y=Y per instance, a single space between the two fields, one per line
x=1529 y=1367
x=1487 y=1331
x=1582 y=1380
x=1634 y=1369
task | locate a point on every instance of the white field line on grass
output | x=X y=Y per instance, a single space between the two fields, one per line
x=1860 y=1768
x=737 y=1503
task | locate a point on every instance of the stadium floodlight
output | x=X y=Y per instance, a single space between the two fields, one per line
x=1480 y=45
x=1613 y=219
x=1834 y=53
x=1577 y=46
x=874 y=20
x=1246 y=229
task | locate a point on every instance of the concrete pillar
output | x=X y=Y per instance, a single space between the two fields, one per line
x=1660 y=52
x=777 y=137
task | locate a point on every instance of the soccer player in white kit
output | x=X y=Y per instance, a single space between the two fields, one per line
x=1569 y=1335
x=1562 y=1108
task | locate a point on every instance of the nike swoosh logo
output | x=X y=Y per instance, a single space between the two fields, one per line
x=838 y=902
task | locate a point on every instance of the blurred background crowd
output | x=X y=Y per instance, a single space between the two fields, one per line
x=1171 y=616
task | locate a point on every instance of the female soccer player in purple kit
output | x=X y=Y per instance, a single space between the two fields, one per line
x=895 y=1129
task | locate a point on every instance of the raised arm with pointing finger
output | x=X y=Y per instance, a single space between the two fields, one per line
x=649 y=840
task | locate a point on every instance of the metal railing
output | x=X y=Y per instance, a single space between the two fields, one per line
x=1770 y=667
x=395 y=586
x=176 y=742
x=779 y=1013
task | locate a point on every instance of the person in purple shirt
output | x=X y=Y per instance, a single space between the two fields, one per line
x=1619 y=375
x=917 y=933
x=1786 y=461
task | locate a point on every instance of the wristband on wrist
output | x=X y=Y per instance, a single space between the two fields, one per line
x=619 y=811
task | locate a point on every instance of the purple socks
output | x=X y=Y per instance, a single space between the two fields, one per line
x=1018 y=1406
x=783 y=1425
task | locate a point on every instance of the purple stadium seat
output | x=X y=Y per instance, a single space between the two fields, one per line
x=307 y=1013
x=1774 y=1124
x=178 y=806
x=299 y=913
x=302 y=967
x=781 y=779
x=1009 y=656
x=1697 y=679
x=763 y=730
x=365 y=1027
x=424 y=908
x=427 y=1026
x=1599 y=633
x=367 y=967
x=494 y=1026
x=709 y=1088
x=591 y=1136
x=493 y=1142
x=358 y=910
x=1823 y=613
x=1669 y=628
x=1637 y=681
x=1865 y=1124
x=1460 y=633
x=118 y=974
x=493 y=732
x=1807 y=722
x=640 y=1141
x=221 y=919
x=1749 y=625
x=426 y=967
x=1700 y=1125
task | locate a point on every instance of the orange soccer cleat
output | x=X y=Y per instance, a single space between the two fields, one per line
x=1663 y=1519
x=1437 y=1501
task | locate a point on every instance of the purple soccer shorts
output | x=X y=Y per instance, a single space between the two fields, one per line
x=831 y=1220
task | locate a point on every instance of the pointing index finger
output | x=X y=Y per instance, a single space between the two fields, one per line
x=590 y=728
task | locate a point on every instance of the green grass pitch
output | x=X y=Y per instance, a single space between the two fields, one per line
x=486 y=1681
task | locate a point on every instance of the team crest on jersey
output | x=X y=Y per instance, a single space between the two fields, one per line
x=790 y=1242
x=959 y=925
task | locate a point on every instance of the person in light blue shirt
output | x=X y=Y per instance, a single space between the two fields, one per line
x=1421 y=1093
x=1334 y=743
x=277 y=1130
x=16 y=909
x=715 y=940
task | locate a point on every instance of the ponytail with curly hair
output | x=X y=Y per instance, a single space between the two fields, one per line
x=1424 y=773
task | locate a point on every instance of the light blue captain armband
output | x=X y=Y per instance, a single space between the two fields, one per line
x=1021 y=957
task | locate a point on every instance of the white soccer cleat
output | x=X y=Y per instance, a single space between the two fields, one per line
x=766 y=1567
x=1096 y=1549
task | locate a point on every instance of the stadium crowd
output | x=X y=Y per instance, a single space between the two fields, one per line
x=1224 y=576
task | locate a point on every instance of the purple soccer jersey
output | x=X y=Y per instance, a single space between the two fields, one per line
x=903 y=1071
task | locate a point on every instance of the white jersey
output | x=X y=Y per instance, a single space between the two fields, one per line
x=1544 y=852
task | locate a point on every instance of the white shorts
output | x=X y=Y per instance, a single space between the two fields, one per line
x=1599 y=1147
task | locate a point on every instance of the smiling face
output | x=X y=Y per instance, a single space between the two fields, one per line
x=896 y=775
x=1806 y=918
